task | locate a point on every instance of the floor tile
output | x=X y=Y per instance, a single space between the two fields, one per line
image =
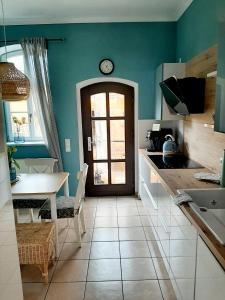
x=34 y=291
x=160 y=268
x=134 y=249
x=138 y=269
x=142 y=211
x=133 y=221
x=150 y=233
x=105 y=250
x=167 y=290
x=105 y=234
x=125 y=202
x=63 y=223
x=31 y=273
x=139 y=202
x=70 y=271
x=104 y=270
x=104 y=291
x=73 y=251
x=91 y=201
x=155 y=249
x=62 y=234
x=89 y=223
x=106 y=222
x=127 y=211
x=71 y=236
x=106 y=212
x=146 y=221
x=161 y=233
x=66 y=291
x=107 y=201
x=131 y=234
x=186 y=288
x=142 y=290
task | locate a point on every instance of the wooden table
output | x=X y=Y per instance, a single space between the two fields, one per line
x=42 y=186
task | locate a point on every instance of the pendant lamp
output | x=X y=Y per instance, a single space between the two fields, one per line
x=15 y=86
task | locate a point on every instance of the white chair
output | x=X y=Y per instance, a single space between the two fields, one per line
x=33 y=165
x=70 y=207
x=40 y=165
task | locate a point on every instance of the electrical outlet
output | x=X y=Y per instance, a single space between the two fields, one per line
x=67 y=145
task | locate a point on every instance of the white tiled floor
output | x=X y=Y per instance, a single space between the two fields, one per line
x=119 y=258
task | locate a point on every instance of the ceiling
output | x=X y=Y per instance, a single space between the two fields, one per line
x=86 y=11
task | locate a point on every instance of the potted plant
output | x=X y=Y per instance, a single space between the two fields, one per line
x=13 y=164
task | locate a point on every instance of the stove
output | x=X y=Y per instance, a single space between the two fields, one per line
x=177 y=161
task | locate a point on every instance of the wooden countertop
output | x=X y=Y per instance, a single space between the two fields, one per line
x=178 y=179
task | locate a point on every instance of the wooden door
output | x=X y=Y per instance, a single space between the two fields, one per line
x=108 y=138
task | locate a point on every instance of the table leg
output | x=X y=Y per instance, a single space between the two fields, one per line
x=54 y=218
x=66 y=188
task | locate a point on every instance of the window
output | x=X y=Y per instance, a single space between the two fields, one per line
x=21 y=117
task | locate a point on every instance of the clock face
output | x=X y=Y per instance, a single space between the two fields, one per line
x=106 y=66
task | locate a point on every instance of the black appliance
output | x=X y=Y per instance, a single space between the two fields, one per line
x=184 y=96
x=177 y=161
x=157 y=138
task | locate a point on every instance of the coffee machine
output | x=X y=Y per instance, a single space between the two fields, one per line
x=157 y=138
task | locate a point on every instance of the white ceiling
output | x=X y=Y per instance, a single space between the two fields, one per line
x=78 y=11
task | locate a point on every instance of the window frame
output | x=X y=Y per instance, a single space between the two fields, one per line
x=12 y=50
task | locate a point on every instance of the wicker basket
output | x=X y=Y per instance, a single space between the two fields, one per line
x=36 y=245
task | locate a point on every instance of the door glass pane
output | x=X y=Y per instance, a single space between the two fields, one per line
x=100 y=173
x=117 y=135
x=99 y=139
x=98 y=105
x=116 y=105
x=118 y=175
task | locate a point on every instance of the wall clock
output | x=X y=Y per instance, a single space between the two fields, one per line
x=106 y=66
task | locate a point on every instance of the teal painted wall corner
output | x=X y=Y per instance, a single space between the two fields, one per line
x=197 y=29
x=136 y=50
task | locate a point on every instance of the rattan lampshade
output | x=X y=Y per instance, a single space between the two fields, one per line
x=15 y=86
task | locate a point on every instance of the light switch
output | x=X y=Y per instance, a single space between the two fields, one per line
x=67 y=145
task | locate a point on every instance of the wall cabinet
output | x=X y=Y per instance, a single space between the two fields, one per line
x=163 y=72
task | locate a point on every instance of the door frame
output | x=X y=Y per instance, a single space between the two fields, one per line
x=87 y=82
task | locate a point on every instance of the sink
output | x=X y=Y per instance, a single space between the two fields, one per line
x=209 y=205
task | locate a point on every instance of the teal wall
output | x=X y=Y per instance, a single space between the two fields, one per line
x=197 y=28
x=136 y=49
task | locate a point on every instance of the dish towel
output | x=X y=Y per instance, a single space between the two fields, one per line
x=182 y=198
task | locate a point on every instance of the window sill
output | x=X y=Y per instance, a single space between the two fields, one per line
x=33 y=143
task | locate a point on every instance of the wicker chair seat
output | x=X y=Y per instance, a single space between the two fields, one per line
x=36 y=245
x=64 y=205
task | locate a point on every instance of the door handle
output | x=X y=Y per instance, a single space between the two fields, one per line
x=89 y=143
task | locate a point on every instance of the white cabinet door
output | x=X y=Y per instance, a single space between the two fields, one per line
x=210 y=276
x=183 y=248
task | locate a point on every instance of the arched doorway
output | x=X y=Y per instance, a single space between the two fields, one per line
x=108 y=138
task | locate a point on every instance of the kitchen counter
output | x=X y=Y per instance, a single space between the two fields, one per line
x=175 y=179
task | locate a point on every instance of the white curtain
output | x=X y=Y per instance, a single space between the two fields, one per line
x=36 y=61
